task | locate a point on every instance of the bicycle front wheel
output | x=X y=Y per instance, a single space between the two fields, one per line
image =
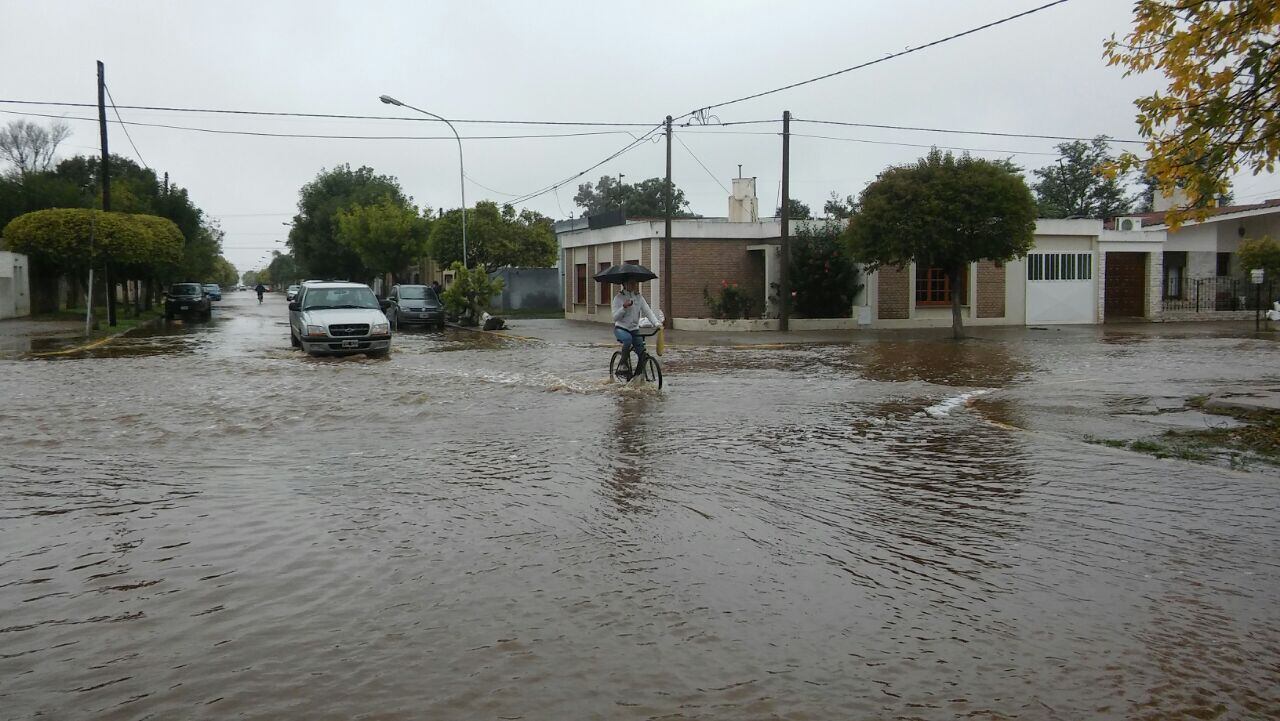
x=652 y=370
x=619 y=367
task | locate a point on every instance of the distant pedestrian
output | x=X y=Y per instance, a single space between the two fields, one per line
x=435 y=285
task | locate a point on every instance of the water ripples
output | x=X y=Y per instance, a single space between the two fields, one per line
x=210 y=525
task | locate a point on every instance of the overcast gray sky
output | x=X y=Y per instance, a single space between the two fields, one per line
x=564 y=61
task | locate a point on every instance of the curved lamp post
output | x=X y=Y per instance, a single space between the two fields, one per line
x=461 y=173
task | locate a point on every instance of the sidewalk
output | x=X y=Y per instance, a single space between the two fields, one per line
x=579 y=332
x=24 y=335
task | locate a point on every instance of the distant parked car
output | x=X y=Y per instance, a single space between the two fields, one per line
x=415 y=304
x=292 y=292
x=214 y=291
x=339 y=318
x=187 y=300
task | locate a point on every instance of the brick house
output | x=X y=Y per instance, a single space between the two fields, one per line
x=1077 y=272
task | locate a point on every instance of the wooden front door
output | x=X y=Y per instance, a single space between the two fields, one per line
x=1126 y=286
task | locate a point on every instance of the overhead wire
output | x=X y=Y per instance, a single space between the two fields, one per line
x=699 y=162
x=125 y=127
x=957 y=132
x=311 y=136
x=869 y=63
x=331 y=116
x=629 y=146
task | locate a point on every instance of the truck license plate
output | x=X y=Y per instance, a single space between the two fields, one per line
x=184 y=307
x=350 y=344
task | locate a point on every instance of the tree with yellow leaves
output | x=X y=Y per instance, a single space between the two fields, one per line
x=1220 y=111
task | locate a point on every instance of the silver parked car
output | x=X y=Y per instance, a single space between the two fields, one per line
x=339 y=318
x=412 y=304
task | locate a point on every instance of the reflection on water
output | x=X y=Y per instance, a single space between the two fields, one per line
x=207 y=524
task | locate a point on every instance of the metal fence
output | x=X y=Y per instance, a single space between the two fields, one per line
x=1222 y=293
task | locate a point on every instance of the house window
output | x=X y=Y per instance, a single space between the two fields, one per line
x=1060 y=266
x=1175 y=263
x=605 y=289
x=1224 y=265
x=934 y=288
x=580 y=285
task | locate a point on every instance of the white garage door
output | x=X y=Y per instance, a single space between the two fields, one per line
x=1060 y=288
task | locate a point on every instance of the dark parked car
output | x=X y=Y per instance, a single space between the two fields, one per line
x=187 y=300
x=415 y=304
x=214 y=290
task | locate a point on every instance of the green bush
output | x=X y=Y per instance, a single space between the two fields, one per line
x=731 y=302
x=469 y=293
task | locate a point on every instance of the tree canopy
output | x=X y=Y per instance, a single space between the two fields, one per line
x=388 y=236
x=943 y=212
x=797 y=210
x=314 y=237
x=640 y=200
x=1261 y=253
x=495 y=237
x=71 y=240
x=822 y=274
x=30 y=147
x=1077 y=187
x=1219 y=111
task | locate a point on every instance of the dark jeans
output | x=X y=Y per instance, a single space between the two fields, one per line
x=628 y=340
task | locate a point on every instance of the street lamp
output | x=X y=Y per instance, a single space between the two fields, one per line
x=461 y=173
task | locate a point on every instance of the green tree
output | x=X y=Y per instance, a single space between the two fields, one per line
x=1261 y=253
x=496 y=236
x=283 y=268
x=225 y=274
x=943 y=212
x=387 y=236
x=470 y=293
x=1077 y=187
x=1219 y=111
x=797 y=210
x=840 y=209
x=69 y=241
x=314 y=240
x=824 y=278
x=641 y=200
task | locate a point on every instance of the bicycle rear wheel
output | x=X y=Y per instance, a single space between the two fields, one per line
x=620 y=367
x=652 y=370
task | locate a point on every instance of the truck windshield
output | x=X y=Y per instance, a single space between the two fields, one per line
x=322 y=298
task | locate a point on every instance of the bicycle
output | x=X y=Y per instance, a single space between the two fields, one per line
x=649 y=367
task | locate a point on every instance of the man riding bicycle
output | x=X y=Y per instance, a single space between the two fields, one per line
x=260 y=288
x=628 y=307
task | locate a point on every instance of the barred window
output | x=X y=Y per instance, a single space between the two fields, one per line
x=1060 y=266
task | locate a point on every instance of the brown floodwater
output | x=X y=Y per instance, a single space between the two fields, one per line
x=202 y=523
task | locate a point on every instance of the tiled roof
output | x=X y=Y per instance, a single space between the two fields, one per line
x=1158 y=218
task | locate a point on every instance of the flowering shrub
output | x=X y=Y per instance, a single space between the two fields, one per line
x=730 y=302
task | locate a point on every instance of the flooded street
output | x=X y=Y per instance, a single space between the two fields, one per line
x=200 y=522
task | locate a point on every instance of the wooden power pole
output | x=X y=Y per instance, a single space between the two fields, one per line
x=668 y=309
x=106 y=189
x=784 y=260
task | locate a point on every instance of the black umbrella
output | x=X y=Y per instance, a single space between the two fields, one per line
x=619 y=274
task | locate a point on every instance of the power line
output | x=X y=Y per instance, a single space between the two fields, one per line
x=699 y=162
x=325 y=137
x=919 y=145
x=331 y=116
x=869 y=63
x=124 y=127
x=624 y=149
x=958 y=132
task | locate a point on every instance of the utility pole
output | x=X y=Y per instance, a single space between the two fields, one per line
x=784 y=261
x=668 y=310
x=106 y=189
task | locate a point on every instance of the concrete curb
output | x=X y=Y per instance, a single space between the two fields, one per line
x=97 y=343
